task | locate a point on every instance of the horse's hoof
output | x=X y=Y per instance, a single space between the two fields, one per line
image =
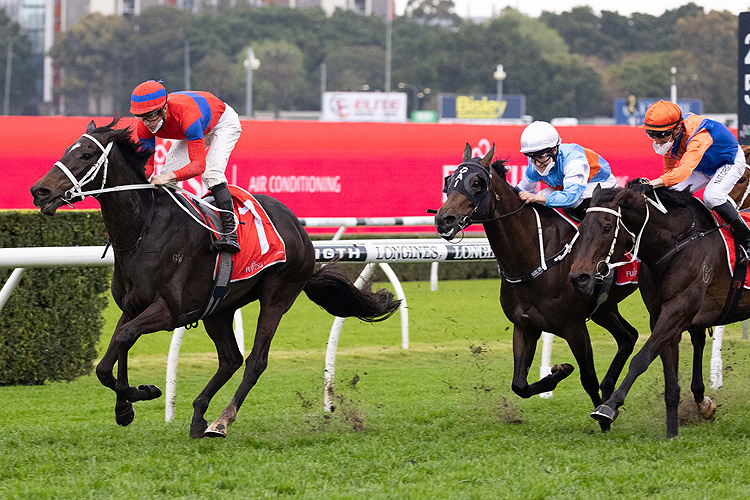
x=124 y=413
x=198 y=429
x=216 y=430
x=706 y=408
x=565 y=368
x=149 y=392
x=604 y=413
x=197 y=434
x=144 y=392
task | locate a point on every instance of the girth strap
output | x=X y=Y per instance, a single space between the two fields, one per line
x=221 y=283
x=736 y=286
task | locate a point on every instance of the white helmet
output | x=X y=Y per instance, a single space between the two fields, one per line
x=539 y=136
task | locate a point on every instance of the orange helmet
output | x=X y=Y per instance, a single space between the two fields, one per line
x=148 y=96
x=662 y=115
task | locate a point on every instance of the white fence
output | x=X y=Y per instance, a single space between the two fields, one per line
x=369 y=252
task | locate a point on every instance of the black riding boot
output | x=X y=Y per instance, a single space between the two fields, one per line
x=740 y=230
x=223 y=200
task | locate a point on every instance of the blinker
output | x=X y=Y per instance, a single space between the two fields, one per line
x=460 y=180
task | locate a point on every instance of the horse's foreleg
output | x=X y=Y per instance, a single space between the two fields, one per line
x=706 y=407
x=155 y=317
x=670 y=358
x=665 y=329
x=580 y=345
x=107 y=363
x=524 y=347
x=219 y=328
x=626 y=336
x=256 y=363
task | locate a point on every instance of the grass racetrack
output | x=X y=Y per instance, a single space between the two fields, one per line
x=436 y=421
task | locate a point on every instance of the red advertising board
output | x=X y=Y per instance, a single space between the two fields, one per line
x=330 y=169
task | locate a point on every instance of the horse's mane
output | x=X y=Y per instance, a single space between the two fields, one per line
x=669 y=197
x=134 y=154
x=499 y=167
x=604 y=195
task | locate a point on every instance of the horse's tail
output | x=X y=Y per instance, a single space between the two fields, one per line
x=333 y=291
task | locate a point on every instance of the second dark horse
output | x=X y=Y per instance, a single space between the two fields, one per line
x=535 y=295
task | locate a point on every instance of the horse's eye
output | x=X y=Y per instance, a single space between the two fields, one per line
x=607 y=229
x=477 y=186
x=87 y=156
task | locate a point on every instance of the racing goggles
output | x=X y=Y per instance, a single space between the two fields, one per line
x=151 y=116
x=540 y=156
x=659 y=134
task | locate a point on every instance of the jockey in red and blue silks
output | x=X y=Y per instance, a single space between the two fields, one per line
x=198 y=121
x=570 y=171
x=699 y=152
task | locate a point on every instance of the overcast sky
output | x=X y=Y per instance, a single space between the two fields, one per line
x=485 y=8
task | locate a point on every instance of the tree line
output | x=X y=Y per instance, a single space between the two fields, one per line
x=570 y=64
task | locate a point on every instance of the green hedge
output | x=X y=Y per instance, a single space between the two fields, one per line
x=52 y=322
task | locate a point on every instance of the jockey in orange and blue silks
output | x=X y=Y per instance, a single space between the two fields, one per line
x=198 y=121
x=699 y=152
x=570 y=171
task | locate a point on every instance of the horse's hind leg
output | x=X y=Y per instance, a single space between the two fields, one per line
x=670 y=357
x=706 y=407
x=219 y=328
x=256 y=362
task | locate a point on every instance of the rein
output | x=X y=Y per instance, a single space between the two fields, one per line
x=103 y=161
x=637 y=239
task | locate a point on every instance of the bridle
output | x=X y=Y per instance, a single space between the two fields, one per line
x=77 y=192
x=484 y=201
x=606 y=262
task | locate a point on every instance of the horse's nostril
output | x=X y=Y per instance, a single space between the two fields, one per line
x=445 y=220
x=582 y=279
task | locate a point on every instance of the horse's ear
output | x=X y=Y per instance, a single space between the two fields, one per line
x=487 y=160
x=596 y=190
x=90 y=127
x=467 y=153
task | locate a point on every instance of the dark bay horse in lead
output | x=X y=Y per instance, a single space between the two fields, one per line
x=159 y=292
x=534 y=247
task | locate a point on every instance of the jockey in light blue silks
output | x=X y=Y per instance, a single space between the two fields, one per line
x=570 y=171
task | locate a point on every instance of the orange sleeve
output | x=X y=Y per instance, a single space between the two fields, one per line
x=676 y=171
x=197 y=165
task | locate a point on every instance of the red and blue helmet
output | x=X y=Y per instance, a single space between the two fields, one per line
x=148 y=96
